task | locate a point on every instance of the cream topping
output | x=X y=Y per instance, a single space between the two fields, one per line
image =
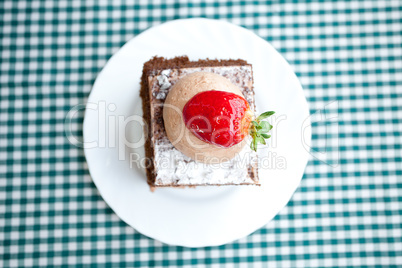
x=181 y=137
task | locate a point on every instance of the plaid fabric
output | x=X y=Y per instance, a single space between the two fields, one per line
x=347 y=210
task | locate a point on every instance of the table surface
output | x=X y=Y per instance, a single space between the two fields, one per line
x=347 y=210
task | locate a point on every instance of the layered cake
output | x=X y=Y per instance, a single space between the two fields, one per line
x=180 y=153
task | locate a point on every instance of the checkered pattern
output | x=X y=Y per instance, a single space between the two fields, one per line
x=347 y=210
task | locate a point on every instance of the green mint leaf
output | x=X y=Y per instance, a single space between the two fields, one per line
x=266 y=126
x=261 y=140
x=258 y=130
x=255 y=144
x=256 y=125
x=263 y=130
x=252 y=146
x=266 y=136
x=265 y=115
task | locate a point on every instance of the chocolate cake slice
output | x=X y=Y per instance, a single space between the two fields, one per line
x=168 y=167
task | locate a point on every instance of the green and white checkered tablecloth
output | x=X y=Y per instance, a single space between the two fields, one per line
x=347 y=210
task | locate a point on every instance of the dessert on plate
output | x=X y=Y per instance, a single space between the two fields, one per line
x=199 y=115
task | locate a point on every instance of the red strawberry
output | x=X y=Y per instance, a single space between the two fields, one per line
x=223 y=118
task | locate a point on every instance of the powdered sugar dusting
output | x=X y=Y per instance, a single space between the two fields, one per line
x=163 y=82
x=175 y=168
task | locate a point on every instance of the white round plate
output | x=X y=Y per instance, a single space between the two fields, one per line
x=204 y=216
